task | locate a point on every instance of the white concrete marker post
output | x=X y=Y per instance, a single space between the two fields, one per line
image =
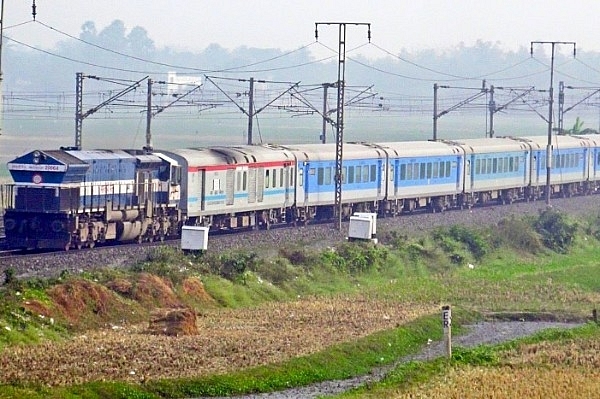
x=447 y=324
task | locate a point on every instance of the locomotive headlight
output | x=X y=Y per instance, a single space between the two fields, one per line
x=36 y=157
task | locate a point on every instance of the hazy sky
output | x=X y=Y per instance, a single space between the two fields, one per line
x=395 y=24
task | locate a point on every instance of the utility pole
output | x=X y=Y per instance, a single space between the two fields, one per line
x=561 y=100
x=148 y=147
x=561 y=105
x=325 y=111
x=550 y=109
x=492 y=106
x=341 y=81
x=435 y=109
x=1 y=77
x=250 y=110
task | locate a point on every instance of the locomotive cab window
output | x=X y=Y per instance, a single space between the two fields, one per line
x=175 y=174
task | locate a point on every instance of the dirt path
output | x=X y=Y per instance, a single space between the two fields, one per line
x=482 y=333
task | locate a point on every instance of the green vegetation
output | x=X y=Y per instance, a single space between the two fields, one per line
x=540 y=264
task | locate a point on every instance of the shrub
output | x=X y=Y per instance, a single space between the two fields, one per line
x=556 y=230
x=236 y=264
x=518 y=234
x=453 y=239
x=356 y=257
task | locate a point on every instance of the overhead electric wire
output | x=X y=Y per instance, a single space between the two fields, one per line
x=201 y=70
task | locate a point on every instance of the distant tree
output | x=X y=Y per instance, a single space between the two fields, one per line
x=88 y=31
x=113 y=36
x=139 y=42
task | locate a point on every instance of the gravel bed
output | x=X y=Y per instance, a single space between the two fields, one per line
x=318 y=236
x=478 y=334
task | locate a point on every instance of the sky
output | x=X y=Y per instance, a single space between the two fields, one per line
x=395 y=24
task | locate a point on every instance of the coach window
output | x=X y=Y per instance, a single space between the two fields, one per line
x=238 y=181
x=327 y=176
x=422 y=167
x=365 y=174
x=244 y=180
x=435 y=170
x=344 y=175
x=409 y=171
x=373 y=175
x=300 y=178
x=292 y=171
x=320 y=174
x=403 y=172
x=280 y=177
x=350 y=174
x=274 y=178
x=357 y=171
x=448 y=166
x=216 y=185
x=478 y=166
x=495 y=165
x=267 y=178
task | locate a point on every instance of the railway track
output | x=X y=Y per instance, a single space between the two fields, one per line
x=268 y=242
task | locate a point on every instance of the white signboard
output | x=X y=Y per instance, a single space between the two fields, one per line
x=36 y=168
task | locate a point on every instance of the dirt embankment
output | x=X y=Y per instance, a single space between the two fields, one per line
x=118 y=343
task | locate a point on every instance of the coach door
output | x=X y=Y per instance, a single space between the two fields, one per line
x=287 y=176
x=260 y=184
x=251 y=185
x=229 y=186
x=381 y=180
x=143 y=187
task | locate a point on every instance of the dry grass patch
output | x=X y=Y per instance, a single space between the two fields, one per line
x=568 y=369
x=228 y=340
x=509 y=383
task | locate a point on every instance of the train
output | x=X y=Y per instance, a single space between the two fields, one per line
x=72 y=198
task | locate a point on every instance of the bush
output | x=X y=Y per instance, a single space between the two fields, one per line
x=453 y=239
x=236 y=264
x=356 y=257
x=518 y=234
x=556 y=230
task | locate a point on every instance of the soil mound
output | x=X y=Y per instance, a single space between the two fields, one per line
x=173 y=322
